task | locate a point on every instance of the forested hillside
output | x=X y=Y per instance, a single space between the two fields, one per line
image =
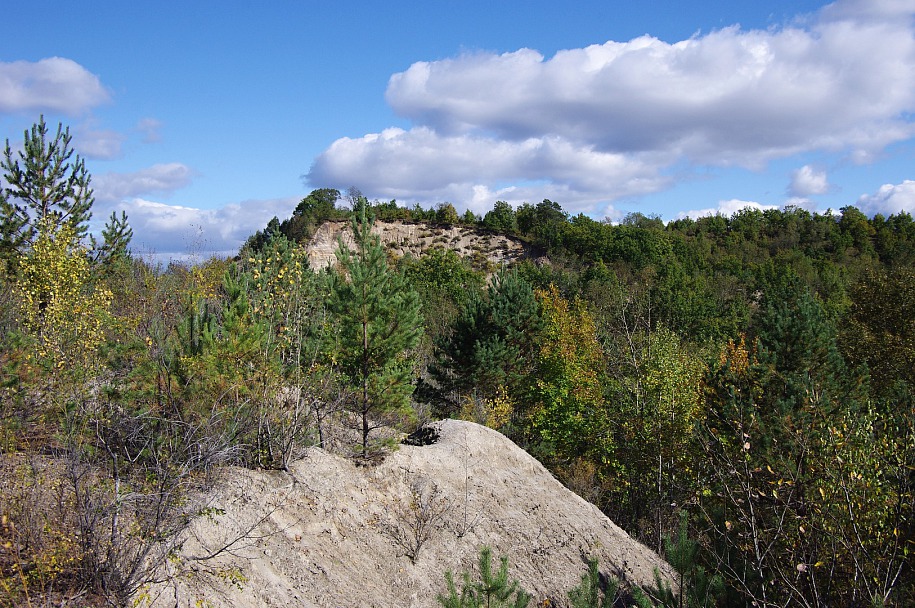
x=735 y=392
x=748 y=377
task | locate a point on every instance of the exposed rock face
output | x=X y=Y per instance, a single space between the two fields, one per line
x=328 y=527
x=400 y=238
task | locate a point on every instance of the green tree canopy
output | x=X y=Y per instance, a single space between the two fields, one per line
x=445 y=213
x=318 y=206
x=492 y=341
x=880 y=331
x=501 y=218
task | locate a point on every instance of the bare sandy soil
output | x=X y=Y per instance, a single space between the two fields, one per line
x=331 y=533
x=401 y=238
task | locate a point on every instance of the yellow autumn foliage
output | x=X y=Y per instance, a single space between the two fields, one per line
x=494 y=413
x=58 y=304
x=567 y=407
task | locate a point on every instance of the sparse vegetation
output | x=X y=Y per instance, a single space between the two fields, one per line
x=417 y=519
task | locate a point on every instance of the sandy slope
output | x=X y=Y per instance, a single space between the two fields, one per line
x=327 y=534
x=401 y=238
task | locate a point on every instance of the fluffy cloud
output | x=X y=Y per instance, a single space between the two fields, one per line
x=158 y=179
x=808 y=181
x=612 y=120
x=890 y=199
x=725 y=208
x=728 y=97
x=174 y=232
x=55 y=84
x=103 y=144
x=422 y=164
x=178 y=232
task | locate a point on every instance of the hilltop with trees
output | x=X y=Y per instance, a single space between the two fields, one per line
x=734 y=392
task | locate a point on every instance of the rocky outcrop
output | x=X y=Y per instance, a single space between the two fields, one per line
x=401 y=238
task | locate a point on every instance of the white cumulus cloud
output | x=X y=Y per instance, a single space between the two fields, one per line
x=808 y=181
x=158 y=179
x=890 y=199
x=422 y=165
x=731 y=96
x=54 y=84
x=613 y=120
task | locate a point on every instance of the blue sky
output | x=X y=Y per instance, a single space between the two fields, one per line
x=203 y=120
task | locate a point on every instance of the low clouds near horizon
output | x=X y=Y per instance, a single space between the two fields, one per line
x=613 y=120
x=177 y=232
x=889 y=199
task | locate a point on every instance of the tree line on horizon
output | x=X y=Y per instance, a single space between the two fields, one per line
x=735 y=392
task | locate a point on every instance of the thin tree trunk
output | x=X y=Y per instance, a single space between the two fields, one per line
x=365 y=387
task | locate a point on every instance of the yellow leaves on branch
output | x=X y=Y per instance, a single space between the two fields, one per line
x=206 y=279
x=58 y=303
x=570 y=348
x=736 y=356
x=494 y=413
x=276 y=291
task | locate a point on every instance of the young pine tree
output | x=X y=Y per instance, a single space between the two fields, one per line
x=596 y=591
x=590 y=593
x=377 y=320
x=493 y=590
x=45 y=182
x=48 y=185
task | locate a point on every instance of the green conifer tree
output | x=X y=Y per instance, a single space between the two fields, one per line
x=493 y=590
x=492 y=343
x=116 y=237
x=48 y=184
x=44 y=183
x=695 y=588
x=377 y=321
x=590 y=593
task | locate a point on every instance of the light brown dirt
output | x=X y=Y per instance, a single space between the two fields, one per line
x=326 y=529
x=401 y=238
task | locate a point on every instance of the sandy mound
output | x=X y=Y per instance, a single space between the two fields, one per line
x=401 y=238
x=330 y=533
